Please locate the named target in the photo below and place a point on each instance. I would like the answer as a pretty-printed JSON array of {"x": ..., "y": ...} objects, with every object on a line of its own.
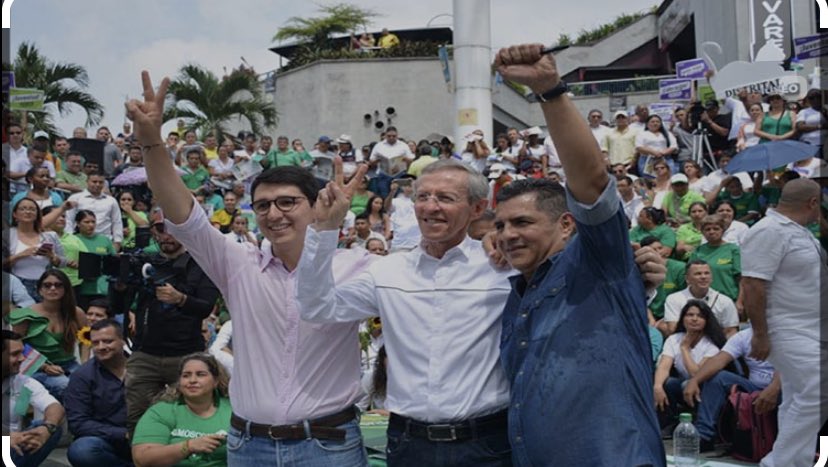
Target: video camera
[
  {"x": 131, "y": 269},
  {"x": 695, "y": 113}
]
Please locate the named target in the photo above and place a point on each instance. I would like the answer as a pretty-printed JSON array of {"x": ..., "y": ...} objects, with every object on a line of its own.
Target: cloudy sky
[{"x": 116, "y": 39}]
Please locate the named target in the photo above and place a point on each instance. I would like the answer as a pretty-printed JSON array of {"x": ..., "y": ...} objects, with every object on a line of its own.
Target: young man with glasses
[{"x": 292, "y": 381}]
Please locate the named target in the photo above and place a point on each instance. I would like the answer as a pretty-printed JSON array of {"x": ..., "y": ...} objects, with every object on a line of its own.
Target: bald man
[{"x": 784, "y": 276}]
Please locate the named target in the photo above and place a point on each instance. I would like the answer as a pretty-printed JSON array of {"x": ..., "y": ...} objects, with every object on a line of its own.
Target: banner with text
[{"x": 674, "y": 89}]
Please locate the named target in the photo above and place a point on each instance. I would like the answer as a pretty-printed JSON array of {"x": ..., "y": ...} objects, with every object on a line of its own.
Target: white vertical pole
[{"x": 472, "y": 65}]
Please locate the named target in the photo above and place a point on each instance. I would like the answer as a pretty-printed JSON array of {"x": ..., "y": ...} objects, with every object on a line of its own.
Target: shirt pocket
[{"x": 548, "y": 309}]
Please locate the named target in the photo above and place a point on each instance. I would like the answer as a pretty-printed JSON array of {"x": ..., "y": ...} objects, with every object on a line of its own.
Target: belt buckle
[
  {"x": 452, "y": 434},
  {"x": 270, "y": 432}
]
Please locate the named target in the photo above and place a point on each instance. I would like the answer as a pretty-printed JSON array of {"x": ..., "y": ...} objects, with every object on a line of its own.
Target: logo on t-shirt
[{"x": 190, "y": 434}]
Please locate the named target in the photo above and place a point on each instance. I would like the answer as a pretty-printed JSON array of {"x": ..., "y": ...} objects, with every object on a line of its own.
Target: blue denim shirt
[
  {"x": 576, "y": 350},
  {"x": 95, "y": 403}
]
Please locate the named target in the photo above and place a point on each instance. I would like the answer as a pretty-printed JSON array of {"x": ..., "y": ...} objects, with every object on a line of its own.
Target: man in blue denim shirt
[{"x": 574, "y": 344}]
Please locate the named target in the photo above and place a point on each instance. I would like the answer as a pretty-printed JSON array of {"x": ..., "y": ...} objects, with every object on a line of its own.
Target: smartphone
[{"x": 46, "y": 247}]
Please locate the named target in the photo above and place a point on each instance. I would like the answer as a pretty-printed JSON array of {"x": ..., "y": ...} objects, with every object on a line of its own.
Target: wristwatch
[
  {"x": 51, "y": 427},
  {"x": 559, "y": 89}
]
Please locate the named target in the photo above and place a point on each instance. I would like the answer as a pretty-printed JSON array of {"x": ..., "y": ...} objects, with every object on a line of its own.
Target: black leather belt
[
  {"x": 445, "y": 432},
  {"x": 320, "y": 428}
]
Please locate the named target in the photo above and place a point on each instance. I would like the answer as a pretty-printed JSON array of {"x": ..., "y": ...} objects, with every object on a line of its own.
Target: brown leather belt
[{"x": 320, "y": 428}]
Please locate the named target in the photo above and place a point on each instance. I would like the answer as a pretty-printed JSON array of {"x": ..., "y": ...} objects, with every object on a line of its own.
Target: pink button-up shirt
[{"x": 285, "y": 369}]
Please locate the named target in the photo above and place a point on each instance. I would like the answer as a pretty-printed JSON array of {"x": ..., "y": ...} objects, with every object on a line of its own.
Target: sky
[{"x": 116, "y": 39}]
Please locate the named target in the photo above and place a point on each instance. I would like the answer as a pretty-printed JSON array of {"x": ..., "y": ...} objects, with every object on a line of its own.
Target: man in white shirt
[
  {"x": 633, "y": 204},
  {"x": 106, "y": 209},
  {"x": 812, "y": 122},
  {"x": 14, "y": 149},
  {"x": 390, "y": 156},
  {"x": 32, "y": 445},
  {"x": 785, "y": 282},
  {"x": 35, "y": 157},
  {"x": 323, "y": 159},
  {"x": 699, "y": 277},
  {"x": 595, "y": 117}
]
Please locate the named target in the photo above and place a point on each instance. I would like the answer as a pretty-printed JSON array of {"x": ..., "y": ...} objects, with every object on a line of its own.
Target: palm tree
[
  {"x": 63, "y": 85},
  {"x": 207, "y": 103},
  {"x": 339, "y": 18}
]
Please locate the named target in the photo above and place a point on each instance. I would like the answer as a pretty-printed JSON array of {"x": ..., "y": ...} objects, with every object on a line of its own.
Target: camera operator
[
  {"x": 717, "y": 127},
  {"x": 169, "y": 309}
]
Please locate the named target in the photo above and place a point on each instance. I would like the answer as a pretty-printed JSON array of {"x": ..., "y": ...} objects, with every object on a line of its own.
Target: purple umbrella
[{"x": 136, "y": 176}]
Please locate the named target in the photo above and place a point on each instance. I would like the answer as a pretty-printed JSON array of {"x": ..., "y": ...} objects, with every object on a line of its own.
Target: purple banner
[
  {"x": 691, "y": 69},
  {"x": 811, "y": 46},
  {"x": 674, "y": 89}
]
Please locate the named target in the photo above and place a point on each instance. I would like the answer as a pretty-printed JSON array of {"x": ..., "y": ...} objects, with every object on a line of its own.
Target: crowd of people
[{"x": 259, "y": 292}]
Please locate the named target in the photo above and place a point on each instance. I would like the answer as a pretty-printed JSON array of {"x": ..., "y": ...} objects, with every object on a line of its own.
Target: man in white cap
[
  {"x": 676, "y": 203},
  {"x": 619, "y": 143}
]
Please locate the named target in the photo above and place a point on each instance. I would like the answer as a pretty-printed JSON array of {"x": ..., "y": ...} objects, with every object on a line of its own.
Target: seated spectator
[
  {"x": 72, "y": 178},
  {"x": 746, "y": 204},
  {"x": 95, "y": 243},
  {"x": 724, "y": 258},
  {"x": 388, "y": 39},
  {"x": 377, "y": 217},
  {"x": 698, "y": 337},
  {"x": 376, "y": 246},
  {"x": 662, "y": 183},
  {"x": 503, "y": 153},
  {"x": 194, "y": 172},
  {"x": 359, "y": 200},
  {"x": 477, "y": 152},
  {"x": 423, "y": 157},
  {"x": 633, "y": 203},
  {"x": 532, "y": 156},
  {"x": 98, "y": 310},
  {"x": 778, "y": 122},
  {"x": 812, "y": 122},
  {"x": 188, "y": 426},
  {"x": 239, "y": 231},
  {"x": 655, "y": 144},
  {"x": 133, "y": 218},
  {"x": 677, "y": 201},
  {"x": 482, "y": 225},
  {"x": 135, "y": 160},
  {"x": 717, "y": 381},
  {"x": 695, "y": 176},
  {"x": 95, "y": 402},
  {"x": 362, "y": 232},
  {"x": 712, "y": 183},
  {"x": 51, "y": 328},
  {"x": 674, "y": 280},
  {"x": 39, "y": 182},
  {"x": 32, "y": 444},
  {"x": 651, "y": 222},
  {"x": 689, "y": 235},
  {"x": 18, "y": 296},
  {"x": 747, "y": 133},
  {"x": 221, "y": 168},
  {"x": 734, "y": 230},
  {"x": 699, "y": 278},
  {"x": 30, "y": 250},
  {"x": 222, "y": 218},
  {"x": 222, "y": 347},
  {"x": 72, "y": 246}
]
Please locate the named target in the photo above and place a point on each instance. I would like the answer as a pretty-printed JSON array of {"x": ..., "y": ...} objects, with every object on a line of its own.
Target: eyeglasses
[
  {"x": 51, "y": 285},
  {"x": 283, "y": 203},
  {"x": 440, "y": 198}
]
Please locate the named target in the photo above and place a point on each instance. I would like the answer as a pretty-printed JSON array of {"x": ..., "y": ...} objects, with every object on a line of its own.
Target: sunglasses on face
[{"x": 52, "y": 285}]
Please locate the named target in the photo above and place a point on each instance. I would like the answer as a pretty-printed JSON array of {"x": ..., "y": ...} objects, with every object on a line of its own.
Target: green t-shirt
[
  {"x": 172, "y": 422},
  {"x": 129, "y": 240},
  {"x": 72, "y": 247},
  {"x": 743, "y": 205},
  {"x": 194, "y": 180},
  {"x": 725, "y": 263},
  {"x": 678, "y": 208},
  {"x": 690, "y": 235},
  {"x": 99, "y": 245},
  {"x": 38, "y": 336},
  {"x": 662, "y": 232},
  {"x": 78, "y": 180},
  {"x": 275, "y": 158},
  {"x": 770, "y": 195},
  {"x": 359, "y": 203},
  {"x": 674, "y": 281}
]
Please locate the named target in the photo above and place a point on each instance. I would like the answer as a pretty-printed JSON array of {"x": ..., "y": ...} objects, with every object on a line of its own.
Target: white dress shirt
[
  {"x": 440, "y": 320},
  {"x": 722, "y": 306},
  {"x": 107, "y": 214}
]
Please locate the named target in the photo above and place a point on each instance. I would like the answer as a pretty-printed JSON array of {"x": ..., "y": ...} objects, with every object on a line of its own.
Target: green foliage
[
  {"x": 564, "y": 39},
  {"x": 309, "y": 54},
  {"x": 207, "y": 103},
  {"x": 337, "y": 19},
  {"x": 588, "y": 36},
  {"x": 64, "y": 86}
]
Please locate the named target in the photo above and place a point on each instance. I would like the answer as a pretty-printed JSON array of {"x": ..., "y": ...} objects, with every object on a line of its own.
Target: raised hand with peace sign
[{"x": 334, "y": 200}]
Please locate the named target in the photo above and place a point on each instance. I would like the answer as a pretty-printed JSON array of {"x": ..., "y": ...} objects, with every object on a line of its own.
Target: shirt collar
[
  {"x": 461, "y": 252},
  {"x": 88, "y": 194},
  {"x": 266, "y": 256},
  {"x": 518, "y": 281}
]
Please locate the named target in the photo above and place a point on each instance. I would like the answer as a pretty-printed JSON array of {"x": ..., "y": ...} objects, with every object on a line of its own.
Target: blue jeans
[
  {"x": 244, "y": 450},
  {"x": 36, "y": 458},
  {"x": 91, "y": 451},
  {"x": 56, "y": 384},
  {"x": 714, "y": 396},
  {"x": 404, "y": 450}
]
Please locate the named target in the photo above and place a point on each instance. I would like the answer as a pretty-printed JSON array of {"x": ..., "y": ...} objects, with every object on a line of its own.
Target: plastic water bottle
[{"x": 686, "y": 442}]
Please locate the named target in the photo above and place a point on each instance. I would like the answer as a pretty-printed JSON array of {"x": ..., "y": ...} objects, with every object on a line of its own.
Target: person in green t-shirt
[
  {"x": 651, "y": 223},
  {"x": 745, "y": 203},
  {"x": 676, "y": 203},
  {"x": 188, "y": 427},
  {"x": 72, "y": 247},
  {"x": 95, "y": 243},
  {"x": 689, "y": 236},
  {"x": 133, "y": 218},
  {"x": 282, "y": 155},
  {"x": 724, "y": 258},
  {"x": 304, "y": 155},
  {"x": 195, "y": 174}
]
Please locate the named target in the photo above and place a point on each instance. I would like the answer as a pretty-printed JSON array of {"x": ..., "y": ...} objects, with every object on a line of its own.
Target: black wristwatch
[
  {"x": 559, "y": 89},
  {"x": 51, "y": 427}
]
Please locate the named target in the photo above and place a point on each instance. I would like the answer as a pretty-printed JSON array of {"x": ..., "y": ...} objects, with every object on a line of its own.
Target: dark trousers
[
  {"x": 147, "y": 375},
  {"x": 492, "y": 450}
]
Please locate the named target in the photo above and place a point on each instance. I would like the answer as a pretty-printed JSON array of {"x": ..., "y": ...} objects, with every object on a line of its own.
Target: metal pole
[{"x": 472, "y": 68}]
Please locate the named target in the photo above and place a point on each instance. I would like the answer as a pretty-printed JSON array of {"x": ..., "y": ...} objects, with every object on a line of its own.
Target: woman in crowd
[
  {"x": 504, "y": 153},
  {"x": 72, "y": 246},
  {"x": 188, "y": 426},
  {"x": 361, "y": 196},
  {"x": 689, "y": 235},
  {"x": 655, "y": 144},
  {"x": 662, "y": 184},
  {"x": 379, "y": 220},
  {"x": 695, "y": 176},
  {"x": 734, "y": 230},
  {"x": 724, "y": 258},
  {"x": 39, "y": 181},
  {"x": 778, "y": 123},
  {"x": 85, "y": 222},
  {"x": 812, "y": 121},
  {"x": 133, "y": 218},
  {"x": 239, "y": 230},
  {"x": 698, "y": 337},
  {"x": 477, "y": 152},
  {"x": 31, "y": 250},
  {"x": 747, "y": 133},
  {"x": 651, "y": 222},
  {"x": 50, "y": 327},
  {"x": 221, "y": 168}
]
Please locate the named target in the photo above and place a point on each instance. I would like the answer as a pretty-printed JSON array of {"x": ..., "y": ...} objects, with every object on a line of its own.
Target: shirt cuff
[
  {"x": 598, "y": 212},
  {"x": 192, "y": 219}
]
